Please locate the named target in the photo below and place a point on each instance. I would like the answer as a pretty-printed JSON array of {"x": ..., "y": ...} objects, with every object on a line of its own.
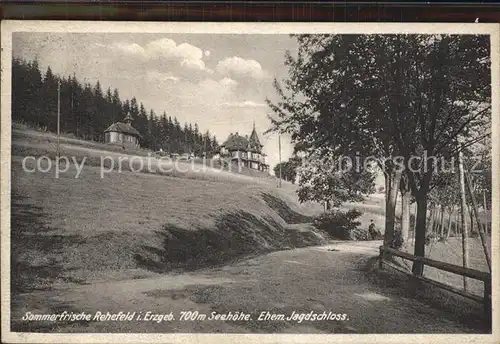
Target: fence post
[{"x": 381, "y": 257}]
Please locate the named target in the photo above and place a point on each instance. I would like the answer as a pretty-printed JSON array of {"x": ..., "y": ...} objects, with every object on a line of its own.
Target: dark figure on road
[{"x": 374, "y": 232}]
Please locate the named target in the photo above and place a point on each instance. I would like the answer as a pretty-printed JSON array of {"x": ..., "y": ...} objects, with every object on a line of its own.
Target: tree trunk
[
  {"x": 404, "y": 187},
  {"x": 421, "y": 217},
  {"x": 431, "y": 219},
  {"x": 392, "y": 182},
  {"x": 479, "y": 226},
  {"x": 485, "y": 206},
  {"x": 415, "y": 222},
  {"x": 463, "y": 222},
  {"x": 484, "y": 202},
  {"x": 441, "y": 224},
  {"x": 435, "y": 219},
  {"x": 449, "y": 224},
  {"x": 405, "y": 217},
  {"x": 471, "y": 219}
]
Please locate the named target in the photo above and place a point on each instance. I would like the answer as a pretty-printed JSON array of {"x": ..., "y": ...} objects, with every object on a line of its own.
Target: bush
[
  {"x": 340, "y": 225},
  {"x": 430, "y": 238}
]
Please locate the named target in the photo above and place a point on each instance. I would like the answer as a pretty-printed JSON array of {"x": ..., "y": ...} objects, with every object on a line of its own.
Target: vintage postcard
[{"x": 249, "y": 182}]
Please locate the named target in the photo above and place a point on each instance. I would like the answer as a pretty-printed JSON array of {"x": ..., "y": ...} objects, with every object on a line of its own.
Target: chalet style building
[
  {"x": 246, "y": 151},
  {"x": 123, "y": 133}
]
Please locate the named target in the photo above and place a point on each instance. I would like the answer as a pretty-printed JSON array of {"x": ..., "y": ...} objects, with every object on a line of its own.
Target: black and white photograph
[{"x": 276, "y": 180}]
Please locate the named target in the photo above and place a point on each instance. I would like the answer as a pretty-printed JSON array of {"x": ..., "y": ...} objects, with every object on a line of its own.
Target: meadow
[
  {"x": 131, "y": 224},
  {"x": 125, "y": 224}
]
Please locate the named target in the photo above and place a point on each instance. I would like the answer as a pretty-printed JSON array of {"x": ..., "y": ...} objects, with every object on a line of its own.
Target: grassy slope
[
  {"x": 129, "y": 225},
  {"x": 134, "y": 224}
]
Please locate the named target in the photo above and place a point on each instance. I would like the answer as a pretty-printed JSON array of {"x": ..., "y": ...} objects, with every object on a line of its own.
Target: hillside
[
  {"x": 28, "y": 142},
  {"x": 131, "y": 225},
  {"x": 88, "y": 110}
]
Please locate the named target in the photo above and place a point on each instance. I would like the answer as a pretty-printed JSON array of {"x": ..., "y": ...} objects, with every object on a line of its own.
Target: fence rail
[{"x": 456, "y": 269}]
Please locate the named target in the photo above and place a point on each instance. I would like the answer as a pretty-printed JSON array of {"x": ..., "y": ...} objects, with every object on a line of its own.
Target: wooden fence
[{"x": 485, "y": 277}]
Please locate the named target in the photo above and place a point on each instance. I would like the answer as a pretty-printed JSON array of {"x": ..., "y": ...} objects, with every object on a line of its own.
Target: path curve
[{"x": 327, "y": 278}]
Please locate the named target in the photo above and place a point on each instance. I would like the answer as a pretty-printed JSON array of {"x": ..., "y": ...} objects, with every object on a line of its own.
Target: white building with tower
[{"x": 123, "y": 133}]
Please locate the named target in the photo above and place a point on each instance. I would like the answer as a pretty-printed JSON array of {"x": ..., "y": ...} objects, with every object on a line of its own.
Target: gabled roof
[
  {"x": 236, "y": 142},
  {"x": 124, "y": 128}
]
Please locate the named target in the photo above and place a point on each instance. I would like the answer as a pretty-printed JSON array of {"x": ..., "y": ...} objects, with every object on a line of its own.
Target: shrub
[
  {"x": 430, "y": 238},
  {"x": 340, "y": 225}
]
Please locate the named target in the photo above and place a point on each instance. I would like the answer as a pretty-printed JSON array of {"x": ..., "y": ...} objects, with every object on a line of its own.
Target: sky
[{"x": 219, "y": 81}]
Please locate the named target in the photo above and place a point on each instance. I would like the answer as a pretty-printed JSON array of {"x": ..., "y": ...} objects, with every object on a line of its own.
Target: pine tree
[
  {"x": 116, "y": 110},
  {"x": 99, "y": 113},
  {"x": 152, "y": 133},
  {"x": 49, "y": 92},
  {"x": 86, "y": 111},
  {"x": 126, "y": 109},
  {"x": 141, "y": 124},
  {"x": 33, "y": 93}
]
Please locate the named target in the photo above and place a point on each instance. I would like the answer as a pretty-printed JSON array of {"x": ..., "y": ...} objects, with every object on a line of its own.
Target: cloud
[
  {"x": 244, "y": 104},
  {"x": 172, "y": 78},
  {"x": 196, "y": 65},
  {"x": 165, "y": 51},
  {"x": 224, "y": 85},
  {"x": 228, "y": 82},
  {"x": 240, "y": 67},
  {"x": 130, "y": 49},
  {"x": 166, "y": 47},
  {"x": 155, "y": 76}
]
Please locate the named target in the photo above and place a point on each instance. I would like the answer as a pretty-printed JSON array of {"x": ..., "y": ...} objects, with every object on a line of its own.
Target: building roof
[
  {"x": 123, "y": 128},
  {"x": 254, "y": 139},
  {"x": 238, "y": 142}
]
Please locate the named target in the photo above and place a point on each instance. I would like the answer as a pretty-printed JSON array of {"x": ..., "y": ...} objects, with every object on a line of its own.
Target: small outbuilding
[{"x": 123, "y": 133}]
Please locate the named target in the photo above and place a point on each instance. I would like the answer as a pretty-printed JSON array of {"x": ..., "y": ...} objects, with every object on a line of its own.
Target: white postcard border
[{"x": 10, "y": 26}]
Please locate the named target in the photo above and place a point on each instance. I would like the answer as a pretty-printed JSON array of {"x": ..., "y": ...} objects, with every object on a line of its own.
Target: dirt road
[{"x": 314, "y": 279}]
